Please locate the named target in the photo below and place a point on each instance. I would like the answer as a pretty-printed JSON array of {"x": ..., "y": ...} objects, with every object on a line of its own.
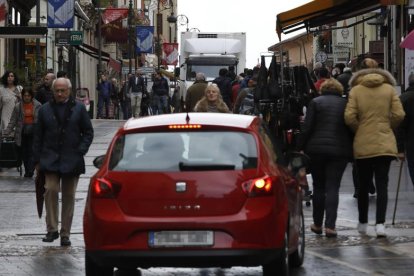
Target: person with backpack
[{"x": 244, "y": 103}]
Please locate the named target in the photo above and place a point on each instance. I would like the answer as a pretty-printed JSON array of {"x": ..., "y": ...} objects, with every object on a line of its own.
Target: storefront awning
[
  {"x": 93, "y": 52},
  {"x": 22, "y": 32},
  {"x": 320, "y": 12}
]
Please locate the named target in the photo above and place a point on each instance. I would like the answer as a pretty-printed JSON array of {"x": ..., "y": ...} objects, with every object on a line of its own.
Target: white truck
[{"x": 208, "y": 53}]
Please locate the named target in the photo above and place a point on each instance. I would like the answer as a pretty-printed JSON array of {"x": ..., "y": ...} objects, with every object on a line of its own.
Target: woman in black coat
[{"x": 328, "y": 142}]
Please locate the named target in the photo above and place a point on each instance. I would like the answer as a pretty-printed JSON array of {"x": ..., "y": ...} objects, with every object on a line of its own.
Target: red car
[{"x": 193, "y": 190}]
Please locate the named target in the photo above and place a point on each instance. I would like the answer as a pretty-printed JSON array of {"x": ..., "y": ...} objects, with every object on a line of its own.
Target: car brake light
[
  {"x": 103, "y": 188},
  {"x": 184, "y": 126},
  {"x": 262, "y": 186}
]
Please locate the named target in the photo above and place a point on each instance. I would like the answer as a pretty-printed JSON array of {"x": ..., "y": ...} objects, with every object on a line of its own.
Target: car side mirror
[{"x": 98, "y": 161}]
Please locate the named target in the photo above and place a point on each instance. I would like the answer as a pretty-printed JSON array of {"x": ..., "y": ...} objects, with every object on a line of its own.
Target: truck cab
[{"x": 208, "y": 53}]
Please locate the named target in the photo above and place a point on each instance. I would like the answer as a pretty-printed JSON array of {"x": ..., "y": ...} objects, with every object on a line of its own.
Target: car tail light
[
  {"x": 262, "y": 186},
  {"x": 103, "y": 188}
]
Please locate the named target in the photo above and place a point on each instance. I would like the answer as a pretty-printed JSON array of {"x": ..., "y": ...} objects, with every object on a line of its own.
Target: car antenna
[{"x": 187, "y": 118}]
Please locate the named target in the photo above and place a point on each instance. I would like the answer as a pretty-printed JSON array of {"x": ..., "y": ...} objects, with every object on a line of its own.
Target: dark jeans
[
  {"x": 326, "y": 174},
  {"x": 126, "y": 108},
  {"x": 101, "y": 101},
  {"x": 27, "y": 154},
  {"x": 379, "y": 168},
  {"x": 410, "y": 164}
]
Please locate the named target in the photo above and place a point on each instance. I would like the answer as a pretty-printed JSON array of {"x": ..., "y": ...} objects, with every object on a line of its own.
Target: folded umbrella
[{"x": 40, "y": 191}]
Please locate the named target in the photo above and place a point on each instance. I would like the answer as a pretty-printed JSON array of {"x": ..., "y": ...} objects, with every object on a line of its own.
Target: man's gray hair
[
  {"x": 200, "y": 77},
  {"x": 65, "y": 79}
]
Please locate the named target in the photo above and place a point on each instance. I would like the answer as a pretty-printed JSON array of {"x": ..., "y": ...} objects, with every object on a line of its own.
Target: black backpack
[{"x": 247, "y": 106}]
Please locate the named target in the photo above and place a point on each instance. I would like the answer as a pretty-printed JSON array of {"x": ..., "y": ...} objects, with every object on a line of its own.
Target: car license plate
[{"x": 180, "y": 238}]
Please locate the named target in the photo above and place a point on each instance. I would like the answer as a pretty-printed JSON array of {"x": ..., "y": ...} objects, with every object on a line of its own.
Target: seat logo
[{"x": 180, "y": 187}]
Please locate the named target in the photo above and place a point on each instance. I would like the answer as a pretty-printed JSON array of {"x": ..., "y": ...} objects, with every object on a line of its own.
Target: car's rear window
[{"x": 184, "y": 151}]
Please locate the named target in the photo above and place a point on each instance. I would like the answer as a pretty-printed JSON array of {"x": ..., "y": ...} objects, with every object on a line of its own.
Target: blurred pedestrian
[
  {"x": 126, "y": 99},
  {"x": 44, "y": 93},
  {"x": 244, "y": 103},
  {"x": 115, "y": 98},
  {"x": 61, "y": 74},
  {"x": 328, "y": 142},
  {"x": 10, "y": 95},
  {"x": 105, "y": 90},
  {"x": 406, "y": 129},
  {"x": 224, "y": 84},
  {"x": 373, "y": 111},
  {"x": 323, "y": 74},
  {"x": 160, "y": 94},
  {"x": 344, "y": 80},
  {"x": 212, "y": 101},
  {"x": 22, "y": 124},
  {"x": 62, "y": 137},
  {"x": 195, "y": 92},
  {"x": 136, "y": 88}
]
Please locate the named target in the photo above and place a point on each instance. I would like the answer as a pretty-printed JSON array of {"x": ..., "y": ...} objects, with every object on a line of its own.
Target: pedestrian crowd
[{"x": 353, "y": 117}]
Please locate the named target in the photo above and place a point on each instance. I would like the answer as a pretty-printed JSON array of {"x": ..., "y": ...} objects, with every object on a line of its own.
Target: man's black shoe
[
  {"x": 65, "y": 241},
  {"x": 51, "y": 236}
]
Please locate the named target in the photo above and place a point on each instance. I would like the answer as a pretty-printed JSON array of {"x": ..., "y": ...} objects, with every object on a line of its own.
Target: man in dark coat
[
  {"x": 136, "y": 88},
  {"x": 105, "y": 91},
  {"x": 44, "y": 93},
  {"x": 160, "y": 94},
  {"x": 224, "y": 83},
  {"x": 195, "y": 92},
  {"x": 406, "y": 129},
  {"x": 62, "y": 137}
]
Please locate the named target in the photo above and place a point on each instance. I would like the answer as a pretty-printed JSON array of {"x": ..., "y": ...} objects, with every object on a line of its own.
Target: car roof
[{"x": 199, "y": 118}]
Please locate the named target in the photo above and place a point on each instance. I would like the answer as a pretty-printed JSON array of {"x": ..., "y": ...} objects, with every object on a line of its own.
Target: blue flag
[
  {"x": 145, "y": 39},
  {"x": 60, "y": 13}
]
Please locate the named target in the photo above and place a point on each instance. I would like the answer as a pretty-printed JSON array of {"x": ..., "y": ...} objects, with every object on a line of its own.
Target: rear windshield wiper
[{"x": 190, "y": 166}]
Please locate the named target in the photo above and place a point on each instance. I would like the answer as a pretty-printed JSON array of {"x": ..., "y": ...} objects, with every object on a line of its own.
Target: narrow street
[{"x": 23, "y": 253}]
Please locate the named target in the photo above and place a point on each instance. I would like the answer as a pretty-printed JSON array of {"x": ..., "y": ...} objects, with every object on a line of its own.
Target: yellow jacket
[{"x": 373, "y": 111}]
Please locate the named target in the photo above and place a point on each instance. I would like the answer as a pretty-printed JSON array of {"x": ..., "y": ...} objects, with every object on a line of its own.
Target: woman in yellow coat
[{"x": 373, "y": 111}]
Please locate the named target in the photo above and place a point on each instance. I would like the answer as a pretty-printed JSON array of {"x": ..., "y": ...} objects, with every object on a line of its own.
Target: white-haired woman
[{"x": 212, "y": 101}]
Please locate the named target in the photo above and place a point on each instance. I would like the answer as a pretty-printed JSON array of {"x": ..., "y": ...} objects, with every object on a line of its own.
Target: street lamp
[
  {"x": 130, "y": 34},
  {"x": 172, "y": 19},
  {"x": 183, "y": 20}
]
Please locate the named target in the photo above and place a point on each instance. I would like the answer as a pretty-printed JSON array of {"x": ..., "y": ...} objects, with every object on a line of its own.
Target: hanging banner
[
  {"x": 145, "y": 39},
  {"x": 169, "y": 54},
  {"x": 3, "y": 11},
  {"x": 114, "y": 65},
  {"x": 115, "y": 32},
  {"x": 60, "y": 13},
  {"x": 113, "y": 14}
]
